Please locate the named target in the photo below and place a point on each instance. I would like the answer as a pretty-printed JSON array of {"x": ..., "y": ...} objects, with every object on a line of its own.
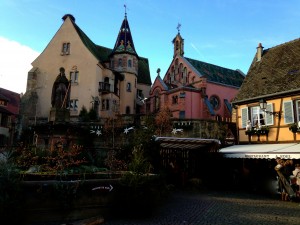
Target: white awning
[{"x": 262, "y": 151}]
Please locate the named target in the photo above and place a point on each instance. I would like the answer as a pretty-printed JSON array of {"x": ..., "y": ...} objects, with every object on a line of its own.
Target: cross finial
[
  {"x": 125, "y": 10},
  {"x": 178, "y": 27}
]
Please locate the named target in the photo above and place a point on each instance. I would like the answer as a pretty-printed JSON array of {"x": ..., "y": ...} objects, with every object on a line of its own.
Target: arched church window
[
  {"x": 188, "y": 77},
  {"x": 184, "y": 76},
  {"x": 193, "y": 79},
  {"x": 169, "y": 78},
  {"x": 172, "y": 74},
  {"x": 156, "y": 101},
  {"x": 180, "y": 70}
]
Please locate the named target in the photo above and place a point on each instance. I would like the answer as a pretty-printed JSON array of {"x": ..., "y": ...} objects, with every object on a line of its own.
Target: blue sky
[{"x": 220, "y": 32}]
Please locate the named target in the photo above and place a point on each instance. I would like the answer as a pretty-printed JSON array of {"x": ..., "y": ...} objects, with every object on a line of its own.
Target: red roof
[{"x": 13, "y": 100}]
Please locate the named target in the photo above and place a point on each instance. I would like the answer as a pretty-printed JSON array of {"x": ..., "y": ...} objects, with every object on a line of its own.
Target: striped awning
[
  {"x": 263, "y": 151},
  {"x": 185, "y": 143}
]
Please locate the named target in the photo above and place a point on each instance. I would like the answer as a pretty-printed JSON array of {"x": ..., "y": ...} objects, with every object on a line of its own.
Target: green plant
[
  {"x": 84, "y": 115},
  {"x": 258, "y": 130},
  {"x": 27, "y": 157},
  {"x": 139, "y": 164},
  {"x": 113, "y": 163},
  {"x": 263, "y": 130},
  {"x": 10, "y": 192},
  {"x": 163, "y": 121},
  {"x": 60, "y": 159},
  {"x": 294, "y": 128},
  {"x": 140, "y": 190}
]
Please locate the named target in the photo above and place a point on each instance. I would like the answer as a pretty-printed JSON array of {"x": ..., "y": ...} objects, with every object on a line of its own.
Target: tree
[
  {"x": 83, "y": 115},
  {"x": 163, "y": 121},
  {"x": 93, "y": 114}
]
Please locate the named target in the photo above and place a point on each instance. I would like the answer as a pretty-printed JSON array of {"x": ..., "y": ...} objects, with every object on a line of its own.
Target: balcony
[{"x": 104, "y": 87}]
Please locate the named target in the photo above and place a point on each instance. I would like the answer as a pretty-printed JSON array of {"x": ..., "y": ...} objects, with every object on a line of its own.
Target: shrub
[{"x": 10, "y": 193}]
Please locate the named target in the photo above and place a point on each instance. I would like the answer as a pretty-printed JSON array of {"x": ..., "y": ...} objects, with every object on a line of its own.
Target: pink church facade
[{"x": 193, "y": 89}]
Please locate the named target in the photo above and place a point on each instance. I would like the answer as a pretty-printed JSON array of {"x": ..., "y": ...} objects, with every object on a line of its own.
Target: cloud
[{"x": 15, "y": 62}]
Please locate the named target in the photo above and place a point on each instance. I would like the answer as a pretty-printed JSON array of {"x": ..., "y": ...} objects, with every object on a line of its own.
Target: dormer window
[{"x": 65, "y": 48}]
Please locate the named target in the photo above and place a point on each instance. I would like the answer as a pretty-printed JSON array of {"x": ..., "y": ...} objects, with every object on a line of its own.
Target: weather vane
[{"x": 178, "y": 27}]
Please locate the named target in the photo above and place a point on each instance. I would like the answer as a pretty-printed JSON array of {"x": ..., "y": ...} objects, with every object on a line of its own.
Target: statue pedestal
[{"x": 59, "y": 115}]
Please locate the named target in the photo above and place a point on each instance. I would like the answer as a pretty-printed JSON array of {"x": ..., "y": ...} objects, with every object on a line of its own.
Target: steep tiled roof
[
  {"x": 13, "y": 99},
  {"x": 102, "y": 54},
  {"x": 5, "y": 111},
  {"x": 124, "y": 42},
  {"x": 88, "y": 43},
  {"x": 2, "y": 97},
  {"x": 277, "y": 72},
  {"x": 217, "y": 74},
  {"x": 144, "y": 72}
]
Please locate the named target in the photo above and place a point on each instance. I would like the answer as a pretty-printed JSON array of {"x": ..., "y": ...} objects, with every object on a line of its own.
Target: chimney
[
  {"x": 259, "y": 52},
  {"x": 68, "y": 15}
]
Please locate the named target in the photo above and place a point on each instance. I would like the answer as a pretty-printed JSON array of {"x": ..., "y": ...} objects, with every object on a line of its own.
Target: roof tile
[{"x": 276, "y": 72}]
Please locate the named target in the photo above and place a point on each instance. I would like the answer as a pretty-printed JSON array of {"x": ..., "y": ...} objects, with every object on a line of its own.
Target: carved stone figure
[{"x": 60, "y": 91}]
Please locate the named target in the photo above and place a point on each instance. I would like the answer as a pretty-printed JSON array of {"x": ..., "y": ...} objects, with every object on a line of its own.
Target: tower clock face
[{"x": 215, "y": 102}]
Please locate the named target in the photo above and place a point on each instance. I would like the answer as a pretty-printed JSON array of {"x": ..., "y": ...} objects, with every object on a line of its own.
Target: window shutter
[
  {"x": 269, "y": 118},
  {"x": 244, "y": 117},
  {"x": 288, "y": 112}
]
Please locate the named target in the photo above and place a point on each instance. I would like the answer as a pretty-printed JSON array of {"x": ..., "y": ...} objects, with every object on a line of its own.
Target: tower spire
[
  {"x": 178, "y": 42},
  {"x": 124, "y": 42}
]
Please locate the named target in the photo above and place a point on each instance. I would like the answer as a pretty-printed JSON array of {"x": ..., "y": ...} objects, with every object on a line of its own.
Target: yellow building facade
[
  {"x": 267, "y": 106},
  {"x": 109, "y": 80}
]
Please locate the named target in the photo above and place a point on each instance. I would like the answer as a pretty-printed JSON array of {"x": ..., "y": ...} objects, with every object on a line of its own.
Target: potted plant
[
  {"x": 264, "y": 130},
  {"x": 294, "y": 128},
  {"x": 250, "y": 132}
]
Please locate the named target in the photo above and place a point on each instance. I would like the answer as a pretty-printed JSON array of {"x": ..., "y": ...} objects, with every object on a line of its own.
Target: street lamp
[{"x": 263, "y": 106}]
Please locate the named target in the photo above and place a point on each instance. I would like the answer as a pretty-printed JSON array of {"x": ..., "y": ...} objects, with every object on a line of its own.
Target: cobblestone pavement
[{"x": 220, "y": 208}]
